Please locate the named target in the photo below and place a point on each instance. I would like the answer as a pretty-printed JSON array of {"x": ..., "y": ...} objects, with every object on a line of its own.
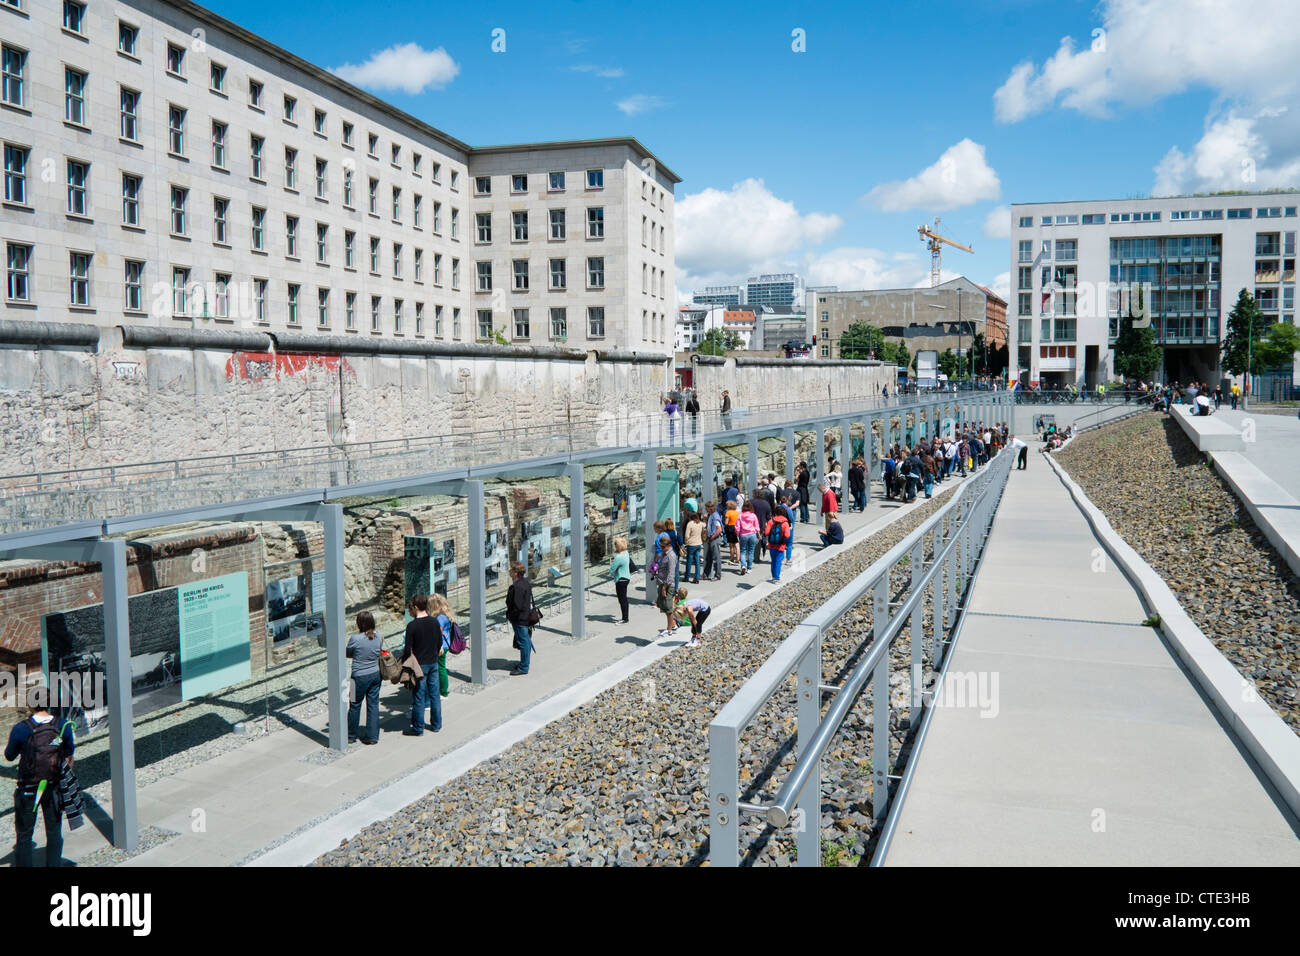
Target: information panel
[{"x": 214, "y": 634}]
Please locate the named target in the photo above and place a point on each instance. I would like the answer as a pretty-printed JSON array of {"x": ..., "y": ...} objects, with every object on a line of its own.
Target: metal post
[
  {"x": 709, "y": 487},
  {"x": 808, "y": 837},
  {"x": 918, "y": 626},
  {"x": 336, "y": 634},
  {"x": 846, "y": 443},
  {"x": 871, "y": 452},
  {"x": 752, "y": 465},
  {"x": 121, "y": 732},
  {"x": 651, "y": 460},
  {"x": 819, "y": 453},
  {"x": 789, "y": 454},
  {"x": 577, "y": 552},
  {"x": 880, "y": 706},
  {"x": 724, "y": 795},
  {"x": 477, "y": 586}
]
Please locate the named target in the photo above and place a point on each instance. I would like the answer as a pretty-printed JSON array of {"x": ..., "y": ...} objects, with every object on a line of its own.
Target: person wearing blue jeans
[
  {"x": 424, "y": 640},
  {"x": 364, "y": 647},
  {"x": 519, "y": 605}
]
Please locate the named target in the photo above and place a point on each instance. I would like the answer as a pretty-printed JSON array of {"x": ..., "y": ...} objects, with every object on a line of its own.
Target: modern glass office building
[{"x": 1076, "y": 267}]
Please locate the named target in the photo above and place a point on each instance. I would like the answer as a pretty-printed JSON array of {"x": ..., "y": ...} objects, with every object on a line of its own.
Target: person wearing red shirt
[{"x": 830, "y": 504}]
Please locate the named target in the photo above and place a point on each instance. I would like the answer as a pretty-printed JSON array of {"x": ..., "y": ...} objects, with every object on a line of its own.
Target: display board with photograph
[
  {"x": 295, "y": 609},
  {"x": 185, "y": 642}
]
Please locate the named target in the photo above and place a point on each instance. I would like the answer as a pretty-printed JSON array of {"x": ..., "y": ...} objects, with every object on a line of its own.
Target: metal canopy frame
[{"x": 103, "y": 542}]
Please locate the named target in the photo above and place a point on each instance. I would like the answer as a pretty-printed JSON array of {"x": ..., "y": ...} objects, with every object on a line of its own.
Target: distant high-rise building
[
  {"x": 728, "y": 295},
  {"x": 782, "y": 289}
]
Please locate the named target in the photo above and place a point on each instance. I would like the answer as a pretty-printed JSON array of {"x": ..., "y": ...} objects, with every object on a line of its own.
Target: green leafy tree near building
[
  {"x": 948, "y": 363},
  {"x": 862, "y": 340},
  {"x": 1280, "y": 345},
  {"x": 1137, "y": 355},
  {"x": 1245, "y": 332},
  {"x": 719, "y": 342}
]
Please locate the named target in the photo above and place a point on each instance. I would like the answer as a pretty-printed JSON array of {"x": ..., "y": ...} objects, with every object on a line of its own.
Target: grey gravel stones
[
  {"x": 623, "y": 780},
  {"x": 1158, "y": 493}
]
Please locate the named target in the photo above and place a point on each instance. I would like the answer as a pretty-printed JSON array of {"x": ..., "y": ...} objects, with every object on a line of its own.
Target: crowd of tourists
[{"x": 910, "y": 471}]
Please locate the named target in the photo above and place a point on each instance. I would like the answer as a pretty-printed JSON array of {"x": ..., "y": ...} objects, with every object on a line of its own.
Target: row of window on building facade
[{"x": 1099, "y": 218}]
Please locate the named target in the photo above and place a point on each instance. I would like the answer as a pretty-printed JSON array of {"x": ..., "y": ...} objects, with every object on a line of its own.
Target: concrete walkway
[
  {"x": 286, "y": 790},
  {"x": 1273, "y": 445},
  {"x": 1097, "y": 749}
]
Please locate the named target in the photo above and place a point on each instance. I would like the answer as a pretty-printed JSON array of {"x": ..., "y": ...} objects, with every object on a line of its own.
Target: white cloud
[
  {"x": 1146, "y": 50},
  {"x": 407, "y": 67},
  {"x": 725, "y": 235},
  {"x": 960, "y": 176},
  {"x": 1001, "y": 285},
  {"x": 640, "y": 103},
  {"x": 849, "y": 268},
  {"x": 997, "y": 224},
  {"x": 608, "y": 72},
  {"x": 1236, "y": 151}
]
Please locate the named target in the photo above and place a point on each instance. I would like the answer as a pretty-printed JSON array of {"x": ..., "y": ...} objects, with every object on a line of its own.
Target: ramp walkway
[{"x": 1095, "y": 748}]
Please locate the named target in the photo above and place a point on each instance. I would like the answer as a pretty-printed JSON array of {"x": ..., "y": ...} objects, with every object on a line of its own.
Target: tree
[
  {"x": 720, "y": 342},
  {"x": 898, "y": 355},
  {"x": 861, "y": 340},
  {"x": 978, "y": 357},
  {"x": 1245, "y": 331},
  {"x": 1137, "y": 355},
  {"x": 998, "y": 360},
  {"x": 1279, "y": 346},
  {"x": 948, "y": 363}
]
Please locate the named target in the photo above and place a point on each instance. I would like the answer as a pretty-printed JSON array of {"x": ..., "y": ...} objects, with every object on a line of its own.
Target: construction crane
[{"x": 936, "y": 242}]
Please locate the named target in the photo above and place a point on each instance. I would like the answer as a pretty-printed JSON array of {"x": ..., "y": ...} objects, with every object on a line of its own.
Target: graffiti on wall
[{"x": 256, "y": 366}]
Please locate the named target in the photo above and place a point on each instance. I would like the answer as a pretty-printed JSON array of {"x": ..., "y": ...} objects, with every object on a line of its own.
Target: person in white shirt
[{"x": 1022, "y": 460}]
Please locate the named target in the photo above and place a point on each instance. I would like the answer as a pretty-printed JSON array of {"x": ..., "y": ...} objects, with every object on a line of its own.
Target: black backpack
[{"x": 42, "y": 756}]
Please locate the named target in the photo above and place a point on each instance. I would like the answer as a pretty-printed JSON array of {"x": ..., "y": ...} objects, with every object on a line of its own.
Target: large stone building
[
  {"x": 946, "y": 317},
  {"x": 1074, "y": 266},
  {"x": 165, "y": 167}
]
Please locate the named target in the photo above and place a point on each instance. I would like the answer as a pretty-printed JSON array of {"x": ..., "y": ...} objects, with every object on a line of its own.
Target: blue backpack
[{"x": 776, "y": 536}]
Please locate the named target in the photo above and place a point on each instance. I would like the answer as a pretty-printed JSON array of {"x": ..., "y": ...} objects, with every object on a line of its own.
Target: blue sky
[{"x": 817, "y": 160}]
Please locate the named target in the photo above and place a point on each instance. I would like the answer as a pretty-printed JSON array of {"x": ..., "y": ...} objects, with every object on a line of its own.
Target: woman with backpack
[
  {"x": 777, "y": 534},
  {"x": 41, "y": 746},
  {"x": 441, "y": 608},
  {"x": 364, "y": 647},
  {"x": 519, "y": 606}
]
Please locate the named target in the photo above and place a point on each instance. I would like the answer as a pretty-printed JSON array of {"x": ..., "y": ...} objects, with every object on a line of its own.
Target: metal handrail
[{"x": 972, "y": 508}]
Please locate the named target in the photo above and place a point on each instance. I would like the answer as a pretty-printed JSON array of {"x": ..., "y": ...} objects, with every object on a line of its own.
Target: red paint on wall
[{"x": 255, "y": 366}]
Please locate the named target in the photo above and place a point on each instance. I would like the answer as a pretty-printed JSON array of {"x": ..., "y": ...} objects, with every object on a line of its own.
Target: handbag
[
  {"x": 389, "y": 667},
  {"x": 534, "y": 615}
]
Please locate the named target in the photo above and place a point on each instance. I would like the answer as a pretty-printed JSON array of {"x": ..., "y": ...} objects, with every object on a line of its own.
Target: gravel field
[
  {"x": 1172, "y": 507},
  {"x": 623, "y": 779}
]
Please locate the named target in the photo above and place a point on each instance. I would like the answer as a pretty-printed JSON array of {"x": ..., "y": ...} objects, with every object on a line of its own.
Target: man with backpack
[
  {"x": 519, "y": 608},
  {"x": 776, "y": 532},
  {"x": 41, "y": 746}
]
